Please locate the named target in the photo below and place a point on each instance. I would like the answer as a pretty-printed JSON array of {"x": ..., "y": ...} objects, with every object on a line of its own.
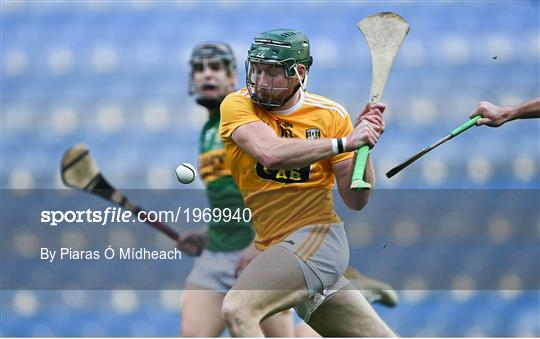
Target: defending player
[{"x": 284, "y": 148}]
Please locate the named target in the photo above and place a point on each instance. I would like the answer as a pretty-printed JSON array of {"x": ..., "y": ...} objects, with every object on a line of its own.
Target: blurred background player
[
  {"x": 213, "y": 76},
  {"x": 284, "y": 148},
  {"x": 227, "y": 246},
  {"x": 495, "y": 116}
]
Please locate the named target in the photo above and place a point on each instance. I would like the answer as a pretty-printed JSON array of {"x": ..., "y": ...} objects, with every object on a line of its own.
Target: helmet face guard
[
  {"x": 215, "y": 56},
  {"x": 273, "y": 91},
  {"x": 201, "y": 65},
  {"x": 276, "y": 54}
]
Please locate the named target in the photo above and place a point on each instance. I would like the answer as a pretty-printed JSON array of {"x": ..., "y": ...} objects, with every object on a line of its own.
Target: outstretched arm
[{"x": 495, "y": 116}]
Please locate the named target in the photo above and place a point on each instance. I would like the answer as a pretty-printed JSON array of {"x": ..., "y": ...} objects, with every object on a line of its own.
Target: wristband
[{"x": 338, "y": 145}]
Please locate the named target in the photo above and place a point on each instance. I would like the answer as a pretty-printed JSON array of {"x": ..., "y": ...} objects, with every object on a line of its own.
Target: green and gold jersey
[{"x": 222, "y": 192}]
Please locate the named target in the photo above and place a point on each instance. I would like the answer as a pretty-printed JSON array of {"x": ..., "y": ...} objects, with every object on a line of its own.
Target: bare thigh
[
  {"x": 348, "y": 314},
  {"x": 198, "y": 321},
  {"x": 271, "y": 283}
]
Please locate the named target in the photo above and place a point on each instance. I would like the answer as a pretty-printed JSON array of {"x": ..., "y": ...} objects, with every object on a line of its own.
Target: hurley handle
[
  {"x": 357, "y": 181},
  {"x": 465, "y": 126}
]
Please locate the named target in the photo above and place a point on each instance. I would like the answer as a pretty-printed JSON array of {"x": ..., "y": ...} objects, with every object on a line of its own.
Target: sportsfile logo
[{"x": 110, "y": 214}]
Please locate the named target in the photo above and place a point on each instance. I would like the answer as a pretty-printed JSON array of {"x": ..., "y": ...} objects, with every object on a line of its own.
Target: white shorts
[
  {"x": 322, "y": 252},
  {"x": 215, "y": 270}
]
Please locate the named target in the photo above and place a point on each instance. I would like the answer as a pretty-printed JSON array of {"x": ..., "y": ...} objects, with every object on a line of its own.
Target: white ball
[{"x": 185, "y": 173}]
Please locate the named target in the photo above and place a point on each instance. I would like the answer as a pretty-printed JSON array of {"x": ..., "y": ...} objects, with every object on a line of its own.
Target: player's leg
[
  {"x": 279, "y": 325},
  {"x": 303, "y": 330},
  {"x": 200, "y": 321},
  {"x": 374, "y": 290},
  {"x": 272, "y": 282},
  {"x": 348, "y": 314},
  {"x": 213, "y": 274},
  {"x": 338, "y": 309}
]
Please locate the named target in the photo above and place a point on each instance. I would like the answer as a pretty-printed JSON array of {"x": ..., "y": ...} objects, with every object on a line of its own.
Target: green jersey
[{"x": 222, "y": 192}]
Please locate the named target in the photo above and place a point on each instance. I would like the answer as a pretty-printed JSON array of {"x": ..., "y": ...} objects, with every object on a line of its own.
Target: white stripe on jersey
[
  {"x": 332, "y": 108},
  {"x": 327, "y": 101},
  {"x": 243, "y": 92}
]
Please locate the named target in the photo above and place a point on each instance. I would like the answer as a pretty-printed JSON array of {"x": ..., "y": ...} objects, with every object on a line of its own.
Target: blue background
[{"x": 114, "y": 75}]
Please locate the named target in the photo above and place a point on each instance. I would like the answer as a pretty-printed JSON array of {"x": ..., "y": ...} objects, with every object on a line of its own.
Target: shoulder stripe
[
  {"x": 326, "y": 101},
  {"x": 342, "y": 113},
  {"x": 242, "y": 92}
]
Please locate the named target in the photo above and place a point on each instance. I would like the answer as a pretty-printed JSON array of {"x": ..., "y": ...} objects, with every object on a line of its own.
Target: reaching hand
[
  {"x": 492, "y": 115},
  {"x": 192, "y": 242}
]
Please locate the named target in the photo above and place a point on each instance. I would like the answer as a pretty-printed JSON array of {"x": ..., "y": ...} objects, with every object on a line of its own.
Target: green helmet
[
  {"x": 287, "y": 46},
  {"x": 280, "y": 48}
]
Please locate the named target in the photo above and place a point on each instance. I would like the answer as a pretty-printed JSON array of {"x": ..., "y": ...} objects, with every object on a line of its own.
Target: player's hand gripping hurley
[{"x": 384, "y": 33}]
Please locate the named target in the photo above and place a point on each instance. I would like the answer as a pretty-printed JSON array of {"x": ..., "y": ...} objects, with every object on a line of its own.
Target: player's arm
[
  {"x": 271, "y": 151},
  {"x": 343, "y": 170},
  {"x": 495, "y": 116},
  {"x": 240, "y": 123}
]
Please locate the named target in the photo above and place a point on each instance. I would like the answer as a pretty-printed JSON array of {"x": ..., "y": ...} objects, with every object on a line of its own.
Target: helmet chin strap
[
  {"x": 296, "y": 88},
  {"x": 303, "y": 84},
  {"x": 273, "y": 107}
]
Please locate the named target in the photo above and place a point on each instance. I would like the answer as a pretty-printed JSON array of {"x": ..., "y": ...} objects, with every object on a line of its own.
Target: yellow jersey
[{"x": 284, "y": 200}]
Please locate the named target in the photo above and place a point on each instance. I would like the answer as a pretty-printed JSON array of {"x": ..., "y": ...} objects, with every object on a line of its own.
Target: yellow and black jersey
[{"x": 283, "y": 200}]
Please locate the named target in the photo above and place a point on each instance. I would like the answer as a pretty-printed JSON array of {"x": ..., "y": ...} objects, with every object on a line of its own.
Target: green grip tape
[
  {"x": 466, "y": 126},
  {"x": 360, "y": 167}
]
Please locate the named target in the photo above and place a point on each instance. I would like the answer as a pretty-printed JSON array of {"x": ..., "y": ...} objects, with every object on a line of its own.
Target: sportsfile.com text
[{"x": 119, "y": 215}]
